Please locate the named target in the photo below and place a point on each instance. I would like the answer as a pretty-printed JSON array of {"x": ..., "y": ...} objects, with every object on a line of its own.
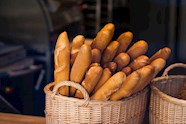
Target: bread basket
[
  {"x": 68, "y": 110},
  {"x": 165, "y": 108}
]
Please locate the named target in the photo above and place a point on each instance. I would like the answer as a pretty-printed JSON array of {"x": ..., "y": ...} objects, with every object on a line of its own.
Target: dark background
[{"x": 29, "y": 29}]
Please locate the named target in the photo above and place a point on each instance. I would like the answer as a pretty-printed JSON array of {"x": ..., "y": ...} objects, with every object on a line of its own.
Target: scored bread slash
[
  {"x": 162, "y": 53},
  {"x": 124, "y": 39},
  {"x": 77, "y": 42},
  {"x": 127, "y": 86},
  {"x": 110, "y": 52},
  {"x": 139, "y": 62},
  {"x": 109, "y": 87},
  {"x": 62, "y": 62},
  {"x": 80, "y": 66},
  {"x": 137, "y": 49},
  {"x": 103, "y": 37},
  {"x": 104, "y": 77},
  {"x": 91, "y": 79},
  {"x": 122, "y": 60}
]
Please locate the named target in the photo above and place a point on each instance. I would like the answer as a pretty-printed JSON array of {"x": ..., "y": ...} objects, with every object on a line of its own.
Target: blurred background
[{"x": 29, "y": 29}]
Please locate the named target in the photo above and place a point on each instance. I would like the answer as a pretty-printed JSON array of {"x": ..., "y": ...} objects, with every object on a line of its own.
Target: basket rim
[
  {"x": 73, "y": 99},
  {"x": 165, "y": 96}
]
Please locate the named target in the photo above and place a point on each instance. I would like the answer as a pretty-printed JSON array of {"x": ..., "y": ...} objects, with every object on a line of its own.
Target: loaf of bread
[
  {"x": 137, "y": 49},
  {"x": 77, "y": 42},
  {"x": 103, "y": 38},
  {"x": 62, "y": 61},
  {"x": 112, "y": 66},
  {"x": 80, "y": 66},
  {"x": 110, "y": 52},
  {"x": 127, "y": 86},
  {"x": 121, "y": 60},
  {"x": 124, "y": 40},
  {"x": 104, "y": 77},
  {"x": 96, "y": 56},
  {"x": 163, "y": 53},
  {"x": 111, "y": 86},
  {"x": 139, "y": 62},
  {"x": 91, "y": 79}
]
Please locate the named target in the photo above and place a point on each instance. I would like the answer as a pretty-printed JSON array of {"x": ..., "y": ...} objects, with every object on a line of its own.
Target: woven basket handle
[
  {"x": 165, "y": 73},
  {"x": 72, "y": 84}
]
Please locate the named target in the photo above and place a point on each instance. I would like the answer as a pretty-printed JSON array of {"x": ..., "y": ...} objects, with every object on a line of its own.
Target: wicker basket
[
  {"x": 165, "y": 108},
  {"x": 61, "y": 110}
]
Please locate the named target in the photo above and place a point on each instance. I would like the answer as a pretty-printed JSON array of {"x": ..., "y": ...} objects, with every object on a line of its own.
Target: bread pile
[{"x": 108, "y": 70}]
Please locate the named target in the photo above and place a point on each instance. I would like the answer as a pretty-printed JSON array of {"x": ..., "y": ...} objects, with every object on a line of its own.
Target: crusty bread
[
  {"x": 96, "y": 56},
  {"x": 137, "y": 49},
  {"x": 110, "y": 52},
  {"x": 104, "y": 36},
  {"x": 104, "y": 77},
  {"x": 127, "y": 70},
  {"x": 112, "y": 66},
  {"x": 110, "y": 87},
  {"x": 62, "y": 61},
  {"x": 122, "y": 60},
  {"x": 124, "y": 39},
  {"x": 139, "y": 62},
  {"x": 80, "y": 66},
  {"x": 91, "y": 79},
  {"x": 77, "y": 42},
  {"x": 162, "y": 53},
  {"x": 127, "y": 87}
]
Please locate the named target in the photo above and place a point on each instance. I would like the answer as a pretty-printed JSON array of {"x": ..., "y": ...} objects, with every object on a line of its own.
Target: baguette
[
  {"x": 96, "y": 56},
  {"x": 110, "y": 52},
  {"x": 80, "y": 66},
  {"x": 145, "y": 73},
  {"x": 124, "y": 39},
  {"x": 110, "y": 86},
  {"x": 62, "y": 62},
  {"x": 104, "y": 77},
  {"x": 139, "y": 62},
  {"x": 91, "y": 79},
  {"x": 127, "y": 87},
  {"x": 158, "y": 64},
  {"x": 111, "y": 65},
  {"x": 162, "y": 53},
  {"x": 127, "y": 70},
  {"x": 122, "y": 60},
  {"x": 137, "y": 49},
  {"x": 77, "y": 42},
  {"x": 103, "y": 37}
]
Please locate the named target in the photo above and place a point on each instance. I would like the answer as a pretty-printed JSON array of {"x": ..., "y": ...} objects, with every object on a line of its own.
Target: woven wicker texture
[
  {"x": 67, "y": 110},
  {"x": 165, "y": 108}
]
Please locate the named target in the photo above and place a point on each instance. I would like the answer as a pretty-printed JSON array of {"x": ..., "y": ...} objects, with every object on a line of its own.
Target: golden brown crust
[
  {"x": 124, "y": 39},
  {"x": 137, "y": 49},
  {"x": 96, "y": 56},
  {"x": 110, "y": 52},
  {"x": 112, "y": 66},
  {"x": 77, "y": 42},
  {"x": 62, "y": 61},
  {"x": 163, "y": 53},
  {"x": 111, "y": 86},
  {"x": 91, "y": 79},
  {"x": 103, "y": 37},
  {"x": 104, "y": 77},
  {"x": 122, "y": 60},
  {"x": 127, "y": 70},
  {"x": 127, "y": 87},
  {"x": 80, "y": 66},
  {"x": 139, "y": 62}
]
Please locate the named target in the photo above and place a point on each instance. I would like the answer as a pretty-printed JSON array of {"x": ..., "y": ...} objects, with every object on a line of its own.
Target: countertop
[{"x": 9, "y": 118}]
